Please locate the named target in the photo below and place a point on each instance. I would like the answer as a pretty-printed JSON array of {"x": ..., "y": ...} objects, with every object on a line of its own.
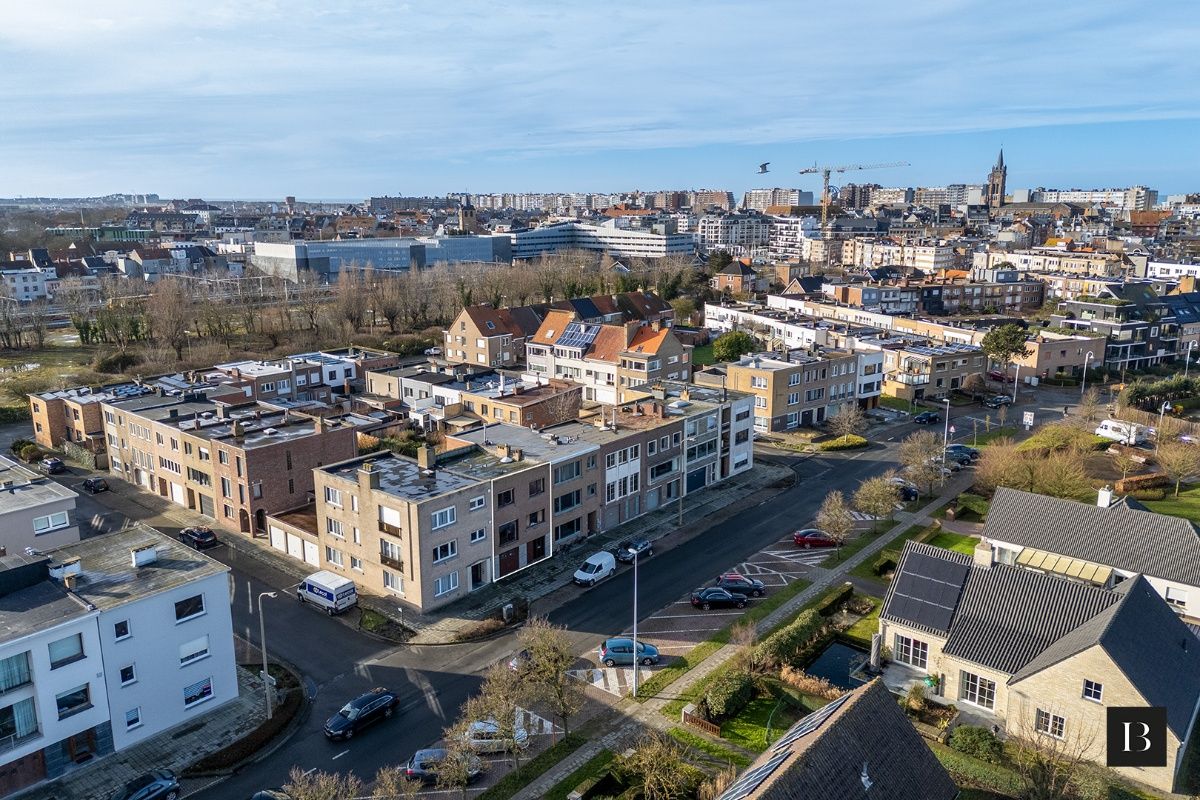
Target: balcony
[
  {"x": 388, "y": 561},
  {"x": 909, "y": 378},
  {"x": 390, "y": 530}
]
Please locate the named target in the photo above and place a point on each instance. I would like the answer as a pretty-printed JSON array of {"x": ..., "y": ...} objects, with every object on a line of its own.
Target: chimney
[
  {"x": 69, "y": 581},
  {"x": 426, "y": 457},
  {"x": 983, "y": 553},
  {"x": 1104, "y": 498},
  {"x": 144, "y": 555},
  {"x": 69, "y": 568},
  {"x": 368, "y": 471},
  {"x": 656, "y": 325},
  {"x": 517, "y": 454}
]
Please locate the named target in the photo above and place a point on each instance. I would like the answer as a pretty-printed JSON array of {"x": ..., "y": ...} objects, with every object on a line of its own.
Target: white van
[
  {"x": 597, "y": 567},
  {"x": 331, "y": 592},
  {"x": 1123, "y": 432}
]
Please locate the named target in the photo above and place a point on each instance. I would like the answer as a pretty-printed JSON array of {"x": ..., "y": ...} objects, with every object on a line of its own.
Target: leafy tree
[
  {"x": 848, "y": 421},
  {"x": 834, "y": 518},
  {"x": 921, "y": 455},
  {"x": 455, "y": 770},
  {"x": 733, "y": 345},
  {"x": 684, "y": 308},
  {"x": 974, "y": 384},
  {"x": 878, "y": 497},
  {"x": 1005, "y": 343},
  {"x": 499, "y": 701},
  {"x": 718, "y": 260},
  {"x": 1179, "y": 461},
  {"x": 1000, "y": 464},
  {"x": 392, "y": 784},
  {"x": 550, "y": 656}
]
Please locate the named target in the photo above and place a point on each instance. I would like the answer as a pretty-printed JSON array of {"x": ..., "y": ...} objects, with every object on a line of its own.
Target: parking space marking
[{"x": 706, "y": 613}]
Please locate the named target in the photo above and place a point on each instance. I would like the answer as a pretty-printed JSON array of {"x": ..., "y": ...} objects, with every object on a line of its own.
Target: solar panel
[
  {"x": 578, "y": 335},
  {"x": 744, "y": 786},
  {"x": 807, "y": 725},
  {"x": 926, "y": 590}
]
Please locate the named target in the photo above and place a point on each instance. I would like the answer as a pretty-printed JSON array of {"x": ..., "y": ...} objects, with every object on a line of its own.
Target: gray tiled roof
[{"x": 1121, "y": 536}]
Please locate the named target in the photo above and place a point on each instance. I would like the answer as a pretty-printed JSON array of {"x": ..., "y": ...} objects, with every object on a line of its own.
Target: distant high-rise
[
  {"x": 854, "y": 196},
  {"x": 705, "y": 198},
  {"x": 762, "y": 199},
  {"x": 993, "y": 196}
]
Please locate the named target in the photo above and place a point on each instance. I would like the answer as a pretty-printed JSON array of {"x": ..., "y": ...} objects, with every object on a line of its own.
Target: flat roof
[
  {"x": 551, "y": 444},
  {"x": 29, "y": 489},
  {"x": 404, "y": 478},
  {"x": 37, "y": 608}
]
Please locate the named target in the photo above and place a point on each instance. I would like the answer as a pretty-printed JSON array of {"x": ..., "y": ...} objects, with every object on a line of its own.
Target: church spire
[{"x": 1000, "y": 160}]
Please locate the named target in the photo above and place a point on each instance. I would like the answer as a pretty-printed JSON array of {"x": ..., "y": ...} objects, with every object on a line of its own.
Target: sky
[{"x": 343, "y": 100}]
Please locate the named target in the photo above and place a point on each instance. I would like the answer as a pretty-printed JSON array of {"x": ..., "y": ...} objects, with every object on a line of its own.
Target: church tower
[
  {"x": 466, "y": 216},
  {"x": 997, "y": 178}
]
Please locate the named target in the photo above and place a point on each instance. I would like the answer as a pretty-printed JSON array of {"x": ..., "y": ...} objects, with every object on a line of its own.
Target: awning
[{"x": 1097, "y": 574}]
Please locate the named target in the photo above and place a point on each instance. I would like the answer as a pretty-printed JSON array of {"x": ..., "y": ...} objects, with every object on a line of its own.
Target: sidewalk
[
  {"x": 649, "y": 713},
  {"x": 175, "y": 749}
]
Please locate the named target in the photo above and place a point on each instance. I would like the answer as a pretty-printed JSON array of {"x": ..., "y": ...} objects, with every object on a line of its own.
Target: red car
[
  {"x": 997, "y": 375},
  {"x": 811, "y": 537}
]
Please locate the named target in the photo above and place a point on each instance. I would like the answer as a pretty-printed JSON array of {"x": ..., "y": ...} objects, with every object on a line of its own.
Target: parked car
[
  {"x": 948, "y": 464},
  {"x": 271, "y": 794},
  {"x": 94, "y": 485},
  {"x": 962, "y": 448},
  {"x": 157, "y": 785},
  {"x": 997, "y": 375},
  {"x": 633, "y": 548},
  {"x": 424, "y": 765},
  {"x": 619, "y": 650},
  {"x": 596, "y": 568},
  {"x": 908, "y": 493},
  {"x": 811, "y": 537},
  {"x": 377, "y": 704},
  {"x": 52, "y": 466},
  {"x": 716, "y": 597},
  {"x": 927, "y": 418},
  {"x": 959, "y": 458},
  {"x": 520, "y": 660},
  {"x": 198, "y": 538},
  {"x": 433, "y": 351},
  {"x": 998, "y": 400},
  {"x": 485, "y": 736},
  {"x": 736, "y": 582}
]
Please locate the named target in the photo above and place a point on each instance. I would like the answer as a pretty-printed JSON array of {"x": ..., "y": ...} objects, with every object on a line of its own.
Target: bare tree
[
  {"x": 550, "y": 656},
  {"x": 1178, "y": 461},
  {"x": 1089, "y": 406},
  {"x": 170, "y": 310},
  {"x": 461, "y": 765},
  {"x": 744, "y": 636},
  {"x": 848, "y": 421},
  {"x": 835, "y": 519},
  {"x": 352, "y": 296},
  {"x": 1123, "y": 461},
  {"x": 657, "y": 760},
  {"x": 921, "y": 454},
  {"x": 1050, "y": 750},
  {"x": 1000, "y": 464},
  {"x": 878, "y": 497},
  {"x": 37, "y": 319},
  {"x": 392, "y": 784},
  {"x": 389, "y": 298},
  {"x": 1002, "y": 415},
  {"x": 499, "y": 702},
  {"x": 318, "y": 785},
  {"x": 1059, "y": 474},
  {"x": 310, "y": 298}
]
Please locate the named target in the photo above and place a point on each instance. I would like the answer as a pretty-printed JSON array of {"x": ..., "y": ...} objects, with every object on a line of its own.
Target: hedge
[
  {"x": 784, "y": 644},
  {"x": 1137, "y": 482},
  {"x": 1148, "y": 494},
  {"x": 851, "y": 442},
  {"x": 728, "y": 695},
  {"x": 11, "y": 414},
  {"x": 965, "y": 769},
  {"x": 886, "y": 562},
  {"x": 249, "y": 745},
  {"x": 977, "y": 742},
  {"x": 828, "y": 605}
]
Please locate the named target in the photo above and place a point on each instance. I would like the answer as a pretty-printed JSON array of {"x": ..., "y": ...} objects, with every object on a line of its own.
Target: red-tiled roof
[{"x": 553, "y": 325}]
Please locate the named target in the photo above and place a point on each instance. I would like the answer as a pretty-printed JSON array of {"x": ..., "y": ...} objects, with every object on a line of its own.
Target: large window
[
  {"x": 566, "y": 502},
  {"x": 445, "y": 551},
  {"x": 393, "y": 581},
  {"x": 198, "y": 692},
  {"x": 194, "y": 650},
  {"x": 445, "y": 584},
  {"x": 977, "y": 690},
  {"x": 441, "y": 519},
  {"x": 18, "y": 722},
  {"x": 507, "y": 532},
  {"x": 913, "y": 652},
  {"x": 568, "y": 472},
  {"x": 333, "y": 496},
  {"x": 74, "y": 701},
  {"x": 14, "y": 672},
  {"x": 188, "y": 608},
  {"x": 334, "y": 556},
  {"x": 66, "y": 650},
  {"x": 1049, "y": 724},
  {"x": 50, "y": 522}
]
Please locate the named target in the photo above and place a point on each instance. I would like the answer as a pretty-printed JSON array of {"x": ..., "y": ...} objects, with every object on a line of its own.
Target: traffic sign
[
  {"x": 1028, "y": 420},
  {"x": 953, "y": 429}
]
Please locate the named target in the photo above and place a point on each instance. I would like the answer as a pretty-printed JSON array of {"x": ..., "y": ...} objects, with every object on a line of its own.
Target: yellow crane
[{"x": 826, "y": 171}]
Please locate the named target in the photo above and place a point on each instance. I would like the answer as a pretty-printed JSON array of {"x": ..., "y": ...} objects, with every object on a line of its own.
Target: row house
[
  {"x": 921, "y": 370},
  {"x": 1105, "y": 265},
  {"x": 887, "y": 299},
  {"x": 922, "y": 255},
  {"x": 978, "y": 297},
  {"x": 776, "y": 328}
]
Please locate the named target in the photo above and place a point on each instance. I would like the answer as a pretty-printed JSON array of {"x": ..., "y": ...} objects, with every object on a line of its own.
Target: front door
[
  {"x": 535, "y": 550},
  {"x": 510, "y": 561},
  {"x": 478, "y": 574}
]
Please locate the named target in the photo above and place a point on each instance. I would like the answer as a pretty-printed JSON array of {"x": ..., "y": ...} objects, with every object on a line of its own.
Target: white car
[
  {"x": 433, "y": 351},
  {"x": 596, "y": 568},
  {"x": 485, "y": 737}
]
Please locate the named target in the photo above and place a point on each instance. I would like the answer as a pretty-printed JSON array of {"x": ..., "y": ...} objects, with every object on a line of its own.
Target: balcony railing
[
  {"x": 909, "y": 378},
  {"x": 388, "y": 561},
  {"x": 390, "y": 530}
]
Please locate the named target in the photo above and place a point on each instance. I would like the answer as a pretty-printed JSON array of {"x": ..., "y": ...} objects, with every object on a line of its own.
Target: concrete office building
[
  {"x": 659, "y": 242},
  {"x": 326, "y": 259}
]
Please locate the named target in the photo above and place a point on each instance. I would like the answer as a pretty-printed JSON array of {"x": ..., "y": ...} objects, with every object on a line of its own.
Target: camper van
[
  {"x": 331, "y": 592},
  {"x": 1123, "y": 432}
]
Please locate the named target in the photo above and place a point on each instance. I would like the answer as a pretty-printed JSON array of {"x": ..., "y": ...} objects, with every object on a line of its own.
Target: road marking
[
  {"x": 310, "y": 771},
  {"x": 707, "y": 614},
  {"x": 339, "y": 755}
]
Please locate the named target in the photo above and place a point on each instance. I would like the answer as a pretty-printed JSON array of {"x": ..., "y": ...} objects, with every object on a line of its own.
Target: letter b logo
[{"x": 1137, "y": 737}]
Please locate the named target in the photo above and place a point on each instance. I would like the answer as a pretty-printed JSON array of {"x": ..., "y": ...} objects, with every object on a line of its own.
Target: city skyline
[{"x": 253, "y": 101}]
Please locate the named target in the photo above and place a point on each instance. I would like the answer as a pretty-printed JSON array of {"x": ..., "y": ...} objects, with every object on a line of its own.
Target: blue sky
[{"x": 263, "y": 98}]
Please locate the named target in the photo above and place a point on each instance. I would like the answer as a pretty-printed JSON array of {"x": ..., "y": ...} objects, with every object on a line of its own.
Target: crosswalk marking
[
  {"x": 614, "y": 680},
  {"x": 535, "y": 725}
]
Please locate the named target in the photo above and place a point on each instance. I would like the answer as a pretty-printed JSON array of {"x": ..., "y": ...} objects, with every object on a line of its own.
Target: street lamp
[
  {"x": 1158, "y": 431},
  {"x": 262, "y": 639},
  {"x": 1016, "y": 382},
  {"x": 1187, "y": 358},
  {"x": 946, "y": 431},
  {"x": 1083, "y": 383},
  {"x": 636, "y": 655}
]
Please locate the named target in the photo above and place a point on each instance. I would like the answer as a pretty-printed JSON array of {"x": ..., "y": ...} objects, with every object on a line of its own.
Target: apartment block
[
  {"x": 926, "y": 256},
  {"x": 659, "y": 242},
  {"x": 35, "y": 512},
  {"x": 740, "y": 234},
  {"x": 545, "y": 403},
  {"x": 1094, "y": 265},
  {"x": 919, "y": 369},
  {"x": 69, "y": 415}
]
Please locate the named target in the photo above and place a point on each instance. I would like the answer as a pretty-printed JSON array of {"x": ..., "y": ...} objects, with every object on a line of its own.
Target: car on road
[
  {"x": 52, "y": 465},
  {"x": 424, "y": 765},
  {"x": 716, "y": 597},
  {"x": 997, "y": 375},
  {"x": 970, "y": 452},
  {"x": 619, "y": 650},
  {"x": 198, "y": 537},
  {"x": 377, "y": 704},
  {"x": 811, "y": 537},
  {"x": 433, "y": 351},
  {"x": 630, "y": 549},
  {"x": 998, "y": 400},
  {"x": 157, "y": 785},
  {"x": 927, "y": 418},
  {"x": 485, "y": 736},
  {"x": 736, "y": 582},
  {"x": 596, "y": 568},
  {"x": 94, "y": 485}
]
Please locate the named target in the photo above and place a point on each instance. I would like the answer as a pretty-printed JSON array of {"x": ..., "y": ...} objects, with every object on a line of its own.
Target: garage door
[
  {"x": 310, "y": 554},
  {"x": 206, "y": 506},
  {"x": 295, "y": 547},
  {"x": 177, "y": 494},
  {"x": 278, "y": 539}
]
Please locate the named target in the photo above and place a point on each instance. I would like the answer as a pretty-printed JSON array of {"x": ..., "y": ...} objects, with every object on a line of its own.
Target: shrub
[
  {"x": 809, "y": 684},
  {"x": 727, "y": 695},
  {"x": 782, "y": 646},
  {"x": 1149, "y": 494},
  {"x": 915, "y": 699},
  {"x": 978, "y": 742},
  {"x": 970, "y": 771},
  {"x": 1137, "y": 482},
  {"x": 20, "y": 444},
  {"x": 117, "y": 362},
  {"x": 30, "y": 453},
  {"x": 886, "y": 562},
  {"x": 828, "y": 605},
  {"x": 851, "y": 442},
  {"x": 11, "y": 414},
  {"x": 250, "y": 745}
]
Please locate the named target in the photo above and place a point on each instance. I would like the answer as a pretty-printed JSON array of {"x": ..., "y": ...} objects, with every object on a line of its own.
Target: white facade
[
  {"x": 787, "y": 235},
  {"x": 1135, "y": 198},
  {"x": 870, "y": 373},
  {"x": 24, "y": 284},
  {"x": 1169, "y": 271},
  {"x": 740, "y": 234},
  {"x": 925, "y": 256},
  {"x": 596, "y": 238},
  {"x": 762, "y": 199},
  {"x": 1045, "y": 260},
  {"x": 774, "y": 327}
]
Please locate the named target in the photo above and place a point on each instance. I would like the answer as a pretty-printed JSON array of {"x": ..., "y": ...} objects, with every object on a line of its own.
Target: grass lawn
[
  {"x": 703, "y": 355},
  {"x": 1187, "y": 505},
  {"x": 862, "y": 630},
  {"x": 896, "y": 404},
  {"x": 987, "y": 437},
  {"x": 698, "y": 742},
  {"x": 596, "y": 766},
  {"x": 864, "y": 569},
  {"x": 749, "y": 728},
  {"x": 956, "y": 542}
]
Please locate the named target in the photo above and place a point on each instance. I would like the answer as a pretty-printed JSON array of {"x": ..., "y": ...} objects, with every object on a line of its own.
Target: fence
[{"x": 697, "y": 721}]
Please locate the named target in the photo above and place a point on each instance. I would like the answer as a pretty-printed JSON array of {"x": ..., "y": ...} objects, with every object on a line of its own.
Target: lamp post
[
  {"x": 636, "y": 655},
  {"x": 1187, "y": 358},
  {"x": 1158, "y": 431},
  {"x": 1083, "y": 383},
  {"x": 262, "y": 639},
  {"x": 1016, "y": 381},
  {"x": 946, "y": 431}
]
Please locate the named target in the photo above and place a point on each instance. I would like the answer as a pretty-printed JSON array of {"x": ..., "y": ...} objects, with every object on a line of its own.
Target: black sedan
[
  {"x": 997, "y": 401},
  {"x": 94, "y": 485},
  {"x": 735, "y": 582},
  {"x": 630, "y": 549},
  {"x": 377, "y": 704},
  {"x": 198, "y": 538},
  {"x": 927, "y": 418},
  {"x": 716, "y": 597}
]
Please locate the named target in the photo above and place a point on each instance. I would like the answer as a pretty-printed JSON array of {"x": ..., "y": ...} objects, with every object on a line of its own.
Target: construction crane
[{"x": 826, "y": 171}]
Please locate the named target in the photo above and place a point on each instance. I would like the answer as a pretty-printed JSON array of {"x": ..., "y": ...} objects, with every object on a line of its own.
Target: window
[
  {"x": 226, "y": 489},
  {"x": 188, "y": 608},
  {"x": 760, "y": 402},
  {"x": 1093, "y": 691},
  {"x": 333, "y": 496},
  {"x": 334, "y": 528},
  {"x": 537, "y": 487},
  {"x": 445, "y": 552},
  {"x": 651, "y": 447},
  {"x": 445, "y": 584},
  {"x": 196, "y": 476},
  {"x": 591, "y": 462},
  {"x": 758, "y": 382},
  {"x": 133, "y": 718},
  {"x": 197, "y": 693},
  {"x": 66, "y": 650},
  {"x": 659, "y": 470},
  {"x": 256, "y": 490},
  {"x": 476, "y": 503},
  {"x": 14, "y": 672},
  {"x": 1176, "y": 598},
  {"x": 742, "y": 436},
  {"x": 356, "y": 564},
  {"x": 506, "y": 498},
  {"x": 445, "y": 517},
  {"x": 223, "y": 456},
  {"x": 50, "y": 522},
  {"x": 568, "y": 472},
  {"x": 128, "y": 675},
  {"x": 334, "y": 556},
  {"x": 568, "y": 529},
  {"x": 567, "y": 501},
  {"x": 291, "y": 486},
  {"x": 393, "y": 581},
  {"x": 537, "y": 517},
  {"x": 1049, "y": 724},
  {"x": 356, "y": 535},
  {"x": 478, "y": 536},
  {"x": 204, "y": 456},
  {"x": 74, "y": 701},
  {"x": 977, "y": 690},
  {"x": 507, "y": 532},
  {"x": 194, "y": 650},
  {"x": 676, "y": 438}
]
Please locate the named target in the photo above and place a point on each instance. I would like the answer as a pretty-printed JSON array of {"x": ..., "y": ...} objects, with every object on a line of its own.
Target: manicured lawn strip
[
  {"x": 896, "y": 404},
  {"x": 955, "y": 541},
  {"x": 862, "y": 630},
  {"x": 1187, "y": 505},
  {"x": 517, "y": 780},
  {"x": 749, "y": 728},
  {"x": 698, "y": 742},
  {"x": 757, "y": 611},
  {"x": 865, "y": 569},
  {"x": 987, "y": 437},
  {"x": 594, "y": 768},
  {"x": 703, "y": 355}
]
